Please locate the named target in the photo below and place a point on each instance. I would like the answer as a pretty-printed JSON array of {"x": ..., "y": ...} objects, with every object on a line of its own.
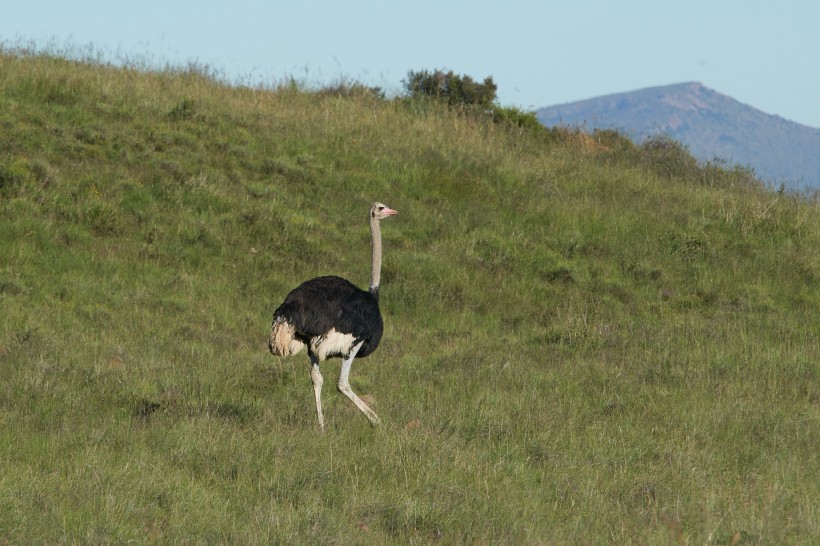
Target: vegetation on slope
[{"x": 586, "y": 341}]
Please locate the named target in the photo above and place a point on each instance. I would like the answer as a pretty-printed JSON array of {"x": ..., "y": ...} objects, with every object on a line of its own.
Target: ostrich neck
[{"x": 376, "y": 256}]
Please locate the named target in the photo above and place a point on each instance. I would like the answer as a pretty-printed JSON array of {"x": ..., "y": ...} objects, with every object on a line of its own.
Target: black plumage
[{"x": 320, "y": 305}]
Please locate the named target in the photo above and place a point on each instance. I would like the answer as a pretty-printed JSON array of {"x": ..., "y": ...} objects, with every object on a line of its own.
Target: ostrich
[{"x": 334, "y": 318}]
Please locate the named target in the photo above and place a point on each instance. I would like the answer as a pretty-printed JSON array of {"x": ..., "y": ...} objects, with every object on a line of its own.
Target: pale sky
[{"x": 763, "y": 53}]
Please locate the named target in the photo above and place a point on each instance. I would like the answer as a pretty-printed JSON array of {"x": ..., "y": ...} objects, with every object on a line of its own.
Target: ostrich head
[{"x": 380, "y": 211}]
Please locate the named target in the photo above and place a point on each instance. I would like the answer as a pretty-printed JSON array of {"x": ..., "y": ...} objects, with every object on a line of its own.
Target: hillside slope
[
  {"x": 710, "y": 124},
  {"x": 585, "y": 341}
]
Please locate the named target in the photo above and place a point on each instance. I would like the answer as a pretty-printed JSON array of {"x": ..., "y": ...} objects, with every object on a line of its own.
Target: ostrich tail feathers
[{"x": 283, "y": 340}]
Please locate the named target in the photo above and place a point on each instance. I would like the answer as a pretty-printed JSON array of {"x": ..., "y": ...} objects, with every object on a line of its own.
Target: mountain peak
[{"x": 710, "y": 124}]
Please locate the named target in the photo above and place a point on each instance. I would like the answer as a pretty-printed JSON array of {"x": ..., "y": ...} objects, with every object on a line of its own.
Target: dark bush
[
  {"x": 613, "y": 140},
  {"x": 451, "y": 88},
  {"x": 515, "y": 116},
  {"x": 478, "y": 99},
  {"x": 668, "y": 157}
]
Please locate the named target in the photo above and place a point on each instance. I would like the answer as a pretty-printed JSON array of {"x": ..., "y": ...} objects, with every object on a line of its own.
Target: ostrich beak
[{"x": 390, "y": 212}]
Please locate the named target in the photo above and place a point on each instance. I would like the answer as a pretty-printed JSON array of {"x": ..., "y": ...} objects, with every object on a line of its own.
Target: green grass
[{"x": 586, "y": 341}]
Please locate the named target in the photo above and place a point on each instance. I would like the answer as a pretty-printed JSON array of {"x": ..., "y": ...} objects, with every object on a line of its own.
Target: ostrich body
[{"x": 334, "y": 318}]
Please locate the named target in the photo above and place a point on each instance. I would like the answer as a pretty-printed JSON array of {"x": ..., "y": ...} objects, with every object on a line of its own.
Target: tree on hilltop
[{"x": 452, "y": 88}]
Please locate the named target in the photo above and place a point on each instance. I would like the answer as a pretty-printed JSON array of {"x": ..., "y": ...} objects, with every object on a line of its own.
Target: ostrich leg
[
  {"x": 344, "y": 386},
  {"x": 316, "y": 379}
]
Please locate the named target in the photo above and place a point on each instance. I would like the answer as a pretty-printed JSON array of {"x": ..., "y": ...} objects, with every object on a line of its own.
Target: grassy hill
[{"x": 585, "y": 341}]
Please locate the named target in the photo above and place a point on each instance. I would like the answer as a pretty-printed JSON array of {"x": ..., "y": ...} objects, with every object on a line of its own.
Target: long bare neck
[{"x": 376, "y": 255}]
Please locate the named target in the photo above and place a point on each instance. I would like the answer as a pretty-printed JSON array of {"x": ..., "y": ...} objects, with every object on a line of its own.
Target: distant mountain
[{"x": 710, "y": 124}]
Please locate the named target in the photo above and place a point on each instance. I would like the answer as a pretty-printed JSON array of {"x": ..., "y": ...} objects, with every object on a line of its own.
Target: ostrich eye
[{"x": 381, "y": 208}]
